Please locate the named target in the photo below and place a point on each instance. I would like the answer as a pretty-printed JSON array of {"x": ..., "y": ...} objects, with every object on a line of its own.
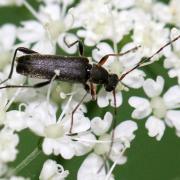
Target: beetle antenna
[{"x": 148, "y": 58}]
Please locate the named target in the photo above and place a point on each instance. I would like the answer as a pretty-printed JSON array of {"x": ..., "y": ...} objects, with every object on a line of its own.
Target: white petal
[
  {"x": 28, "y": 33},
  {"x": 16, "y": 120},
  {"x": 101, "y": 50},
  {"x": 172, "y": 97},
  {"x": 153, "y": 88},
  {"x": 142, "y": 107},
  {"x": 172, "y": 118},
  {"x": 119, "y": 99},
  {"x": 8, "y": 143},
  {"x": 52, "y": 170},
  {"x": 89, "y": 168},
  {"x": 135, "y": 79},
  {"x": 162, "y": 12},
  {"x": 80, "y": 123},
  {"x": 84, "y": 144},
  {"x": 48, "y": 170},
  {"x": 125, "y": 130},
  {"x": 174, "y": 33},
  {"x": 62, "y": 146},
  {"x": 7, "y": 36},
  {"x": 116, "y": 154},
  {"x": 3, "y": 99},
  {"x": 44, "y": 46},
  {"x": 100, "y": 126},
  {"x": 40, "y": 114},
  {"x": 70, "y": 38},
  {"x": 130, "y": 59},
  {"x": 102, "y": 98},
  {"x": 156, "y": 127}
]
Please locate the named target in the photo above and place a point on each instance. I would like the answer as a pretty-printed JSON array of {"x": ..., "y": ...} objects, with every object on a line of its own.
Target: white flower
[
  {"x": 100, "y": 126},
  {"x": 174, "y": 8},
  {"x": 42, "y": 120},
  {"x": 105, "y": 98},
  {"x": 38, "y": 36},
  {"x": 53, "y": 171},
  {"x": 7, "y": 40},
  {"x": 172, "y": 61},
  {"x": 15, "y": 120},
  {"x": 50, "y": 29},
  {"x": 8, "y": 143},
  {"x": 100, "y": 22},
  {"x": 123, "y": 135},
  {"x": 162, "y": 12},
  {"x": 7, "y": 36},
  {"x": 150, "y": 35},
  {"x": 161, "y": 107},
  {"x": 57, "y": 22},
  {"x": 3, "y": 102},
  {"x": 90, "y": 169}
]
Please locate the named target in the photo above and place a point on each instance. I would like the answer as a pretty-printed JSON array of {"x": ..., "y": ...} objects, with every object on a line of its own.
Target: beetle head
[{"x": 111, "y": 83}]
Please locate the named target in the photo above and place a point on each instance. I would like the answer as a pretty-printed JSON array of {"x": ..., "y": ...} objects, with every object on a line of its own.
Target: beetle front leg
[
  {"x": 23, "y": 50},
  {"x": 93, "y": 91},
  {"x": 105, "y": 58},
  {"x": 80, "y": 45}
]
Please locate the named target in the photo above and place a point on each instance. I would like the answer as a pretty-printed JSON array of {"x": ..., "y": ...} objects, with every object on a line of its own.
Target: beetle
[{"x": 71, "y": 68}]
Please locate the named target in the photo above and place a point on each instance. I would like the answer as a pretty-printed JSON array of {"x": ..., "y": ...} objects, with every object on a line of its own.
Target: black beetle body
[{"x": 71, "y": 68}]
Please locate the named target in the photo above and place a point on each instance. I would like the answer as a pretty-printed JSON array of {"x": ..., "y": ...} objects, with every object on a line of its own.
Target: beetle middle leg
[
  {"x": 23, "y": 50},
  {"x": 105, "y": 58},
  {"x": 80, "y": 45},
  {"x": 87, "y": 88}
]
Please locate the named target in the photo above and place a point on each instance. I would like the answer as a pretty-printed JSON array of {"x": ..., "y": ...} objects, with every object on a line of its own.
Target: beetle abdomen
[{"x": 74, "y": 69}]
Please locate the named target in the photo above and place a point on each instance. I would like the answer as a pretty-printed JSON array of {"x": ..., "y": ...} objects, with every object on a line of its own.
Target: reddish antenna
[{"x": 148, "y": 58}]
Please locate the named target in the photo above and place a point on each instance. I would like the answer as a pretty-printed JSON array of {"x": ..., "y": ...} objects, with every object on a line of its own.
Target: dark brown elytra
[{"x": 71, "y": 68}]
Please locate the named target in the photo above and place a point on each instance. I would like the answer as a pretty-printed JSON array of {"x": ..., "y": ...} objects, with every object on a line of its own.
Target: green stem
[{"x": 25, "y": 162}]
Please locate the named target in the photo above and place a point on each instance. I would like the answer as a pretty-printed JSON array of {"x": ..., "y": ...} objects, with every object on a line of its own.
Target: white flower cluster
[{"x": 104, "y": 26}]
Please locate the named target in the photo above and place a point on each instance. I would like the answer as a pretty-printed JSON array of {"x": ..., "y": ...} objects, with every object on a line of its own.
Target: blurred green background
[{"x": 148, "y": 159}]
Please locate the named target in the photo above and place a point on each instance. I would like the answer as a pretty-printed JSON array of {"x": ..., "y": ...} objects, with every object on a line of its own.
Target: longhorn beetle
[{"x": 71, "y": 68}]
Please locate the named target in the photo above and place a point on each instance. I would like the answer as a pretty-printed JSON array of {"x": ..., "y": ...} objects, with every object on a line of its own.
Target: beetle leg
[
  {"x": 38, "y": 85},
  {"x": 21, "y": 49},
  {"x": 114, "y": 122},
  {"x": 80, "y": 45},
  {"x": 105, "y": 58},
  {"x": 93, "y": 91},
  {"x": 74, "y": 110},
  {"x": 112, "y": 135}
]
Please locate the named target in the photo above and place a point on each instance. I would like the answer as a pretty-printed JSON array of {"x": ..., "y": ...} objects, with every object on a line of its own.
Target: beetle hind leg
[{"x": 23, "y": 50}]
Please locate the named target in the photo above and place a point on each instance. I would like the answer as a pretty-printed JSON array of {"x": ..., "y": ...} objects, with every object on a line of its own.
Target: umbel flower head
[{"x": 61, "y": 117}]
